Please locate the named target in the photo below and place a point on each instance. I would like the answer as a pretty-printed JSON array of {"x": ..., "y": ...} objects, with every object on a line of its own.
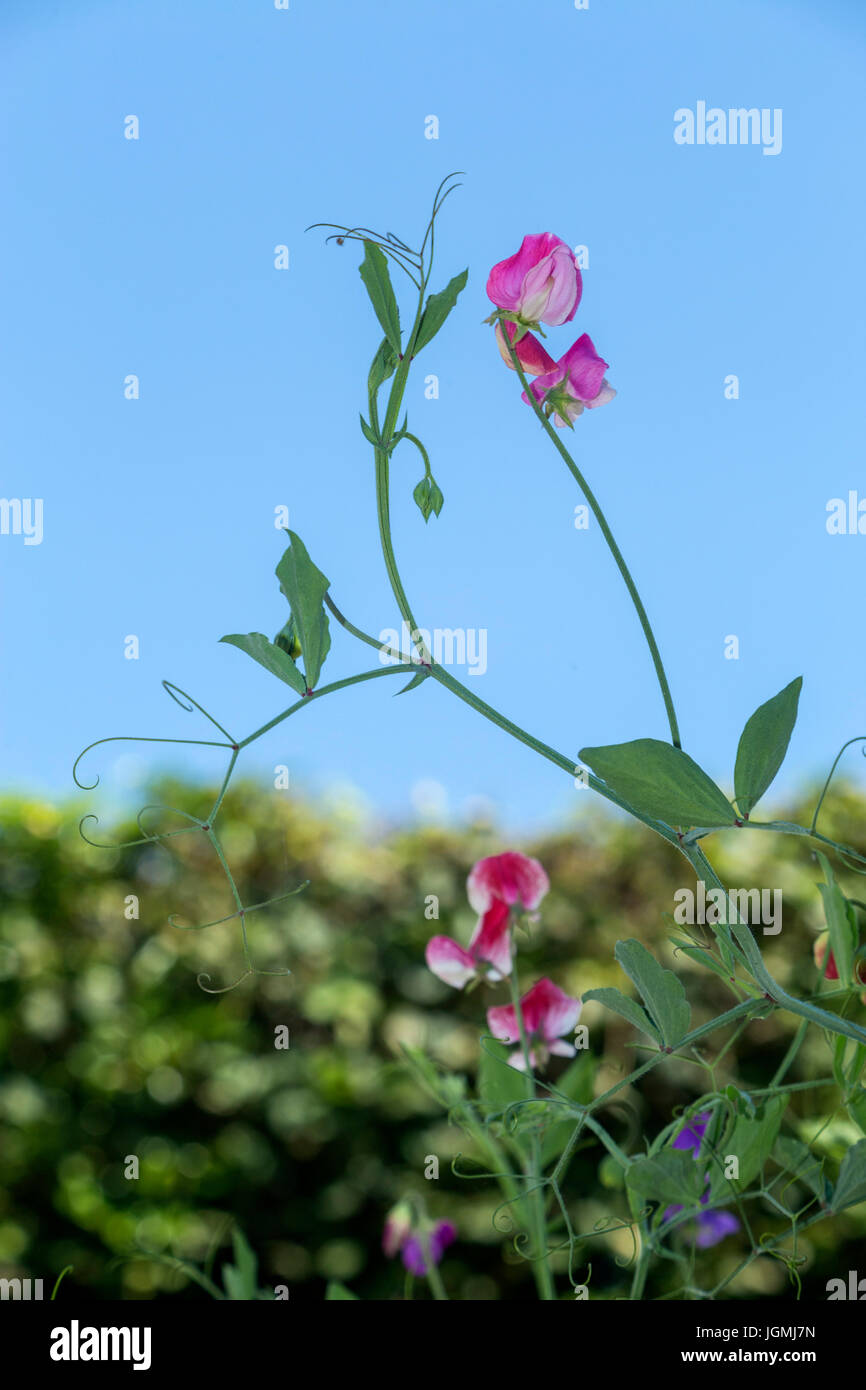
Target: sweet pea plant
[{"x": 729, "y": 1162}]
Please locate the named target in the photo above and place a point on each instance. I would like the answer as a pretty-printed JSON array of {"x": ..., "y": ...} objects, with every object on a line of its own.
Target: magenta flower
[
  {"x": 412, "y": 1240},
  {"x": 540, "y": 283},
  {"x": 413, "y": 1253},
  {"x": 533, "y": 358},
  {"x": 510, "y": 878},
  {"x": 576, "y": 381},
  {"x": 548, "y": 1013},
  {"x": 489, "y": 954},
  {"x": 710, "y": 1226}
]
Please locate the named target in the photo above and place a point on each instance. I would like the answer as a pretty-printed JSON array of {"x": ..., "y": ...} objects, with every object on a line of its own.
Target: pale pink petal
[
  {"x": 558, "y": 1048},
  {"x": 606, "y": 394},
  {"x": 448, "y": 960}
]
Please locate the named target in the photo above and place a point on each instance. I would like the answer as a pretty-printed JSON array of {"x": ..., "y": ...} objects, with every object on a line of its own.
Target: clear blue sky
[{"x": 155, "y": 257}]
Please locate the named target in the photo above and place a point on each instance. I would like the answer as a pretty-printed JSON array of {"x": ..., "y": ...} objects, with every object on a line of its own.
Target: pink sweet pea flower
[
  {"x": 533, "y": 358},
  {"x": 489, "y": 954},
  {"x": 548, "y": 1013},
  {"x": 577, "y": 381},
  {"x": 540, "y": 283},
  {"x": 510, "y": 878}
]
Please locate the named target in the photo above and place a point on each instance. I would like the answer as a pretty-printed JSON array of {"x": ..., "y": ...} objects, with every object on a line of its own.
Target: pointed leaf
[
  {"x": 498, "y": 1082},
  {"x": 851, "y": 1187},
  {"x": 671, "y": 1177},
  {"x": 415, "y": 680},
  {"x": 661, "y": 990},
  {"x": 627, "y": 1008},
  {"x": 305, "y": 587},
  {"x": 763, "y": 745},
  {"x": 750, "y": 1141},
  {"x": 368, "y": 433},
  {"x": 383, "y": 366},
  {"x": 269, "y": 655},
  {"x": 661, "y": 781},
  {"x": 336, "y": 1290},
  {"x": 377, "y": 280},
  {"x": 800, "y": 1162},
  {"x": 437, "y": 309}
]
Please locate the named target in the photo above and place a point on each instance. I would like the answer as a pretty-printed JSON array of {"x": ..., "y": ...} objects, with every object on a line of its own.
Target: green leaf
[
  {"x": 851, "y": 1187},
  {"x": 383, "y": 366},
  {"x": 437, "y": 309},
  {"x": 671, "y": 1177},
  {"x": 576, "y": 1083},
  {"x": 661, "y": 990},
  {"x": 499, "y": 1084},
  {"x": 801, "y": 1163},
  {"x": 377, "y": 280},
  {"x": 239, "y": 1279},
  {"x": 305, "y": 587},
  {"x": 660, "y": 781},
  {"x": 750, "y": 1141},
  {"x": 269, "y": 655},
  {"x": 763, "y": 745},
  {"x": 841, "y": 919},
  {"x": 855, "y": 1103},
  {"x": 368, "y": 433},
  {"x": 417, "y": 679},
  {"x": 627, "y": 1008},
  {"x": 337, "y": 1290}
]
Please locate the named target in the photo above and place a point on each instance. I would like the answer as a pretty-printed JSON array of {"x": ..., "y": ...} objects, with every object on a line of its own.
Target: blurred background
[{"x": 111, "y": 1048}]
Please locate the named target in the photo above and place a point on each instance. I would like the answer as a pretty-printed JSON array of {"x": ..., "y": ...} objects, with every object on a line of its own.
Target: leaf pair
[
  {"x": 377, "y": 282},
  {"x": 663, "y": 782},
  {"x": 667, "y": 1014},
  {"x": 305, "y": 587}
]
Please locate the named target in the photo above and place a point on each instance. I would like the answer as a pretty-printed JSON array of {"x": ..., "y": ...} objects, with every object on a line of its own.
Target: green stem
[
  {"x": 614, "y": 549},
  {"x": 540, "y": 1265}
]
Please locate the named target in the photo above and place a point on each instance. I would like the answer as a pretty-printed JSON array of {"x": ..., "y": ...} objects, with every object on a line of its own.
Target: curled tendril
[
  {"x": 128, "y": 844},
  {"x": 858, "y": 738},
  {"x": 137, "y": 738},
  {"x": 411, "y": 262},
  {"x": 225, "y": 989},
  {"x": 179, "y": 696}
]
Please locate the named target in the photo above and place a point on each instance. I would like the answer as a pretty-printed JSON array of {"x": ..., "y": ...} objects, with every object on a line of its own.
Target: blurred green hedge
[{"x": 110, "y": 1048}]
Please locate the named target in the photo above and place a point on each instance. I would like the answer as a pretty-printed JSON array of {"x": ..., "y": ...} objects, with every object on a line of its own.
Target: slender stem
[
  {"x": 540, "y": 1265},
  {"x": 325, "y": 690},
  {"x": 615, "y": 551}
]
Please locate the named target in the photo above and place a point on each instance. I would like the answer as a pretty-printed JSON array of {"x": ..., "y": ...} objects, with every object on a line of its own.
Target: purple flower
[
  {"x": 414, "y": 1254},
  {"x": 711, "y": 1226},
  {"x": 409, "y": 1238}
]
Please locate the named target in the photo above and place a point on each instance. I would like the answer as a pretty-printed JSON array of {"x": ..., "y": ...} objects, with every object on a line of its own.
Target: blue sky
[{"x": 156, "y": 257}]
